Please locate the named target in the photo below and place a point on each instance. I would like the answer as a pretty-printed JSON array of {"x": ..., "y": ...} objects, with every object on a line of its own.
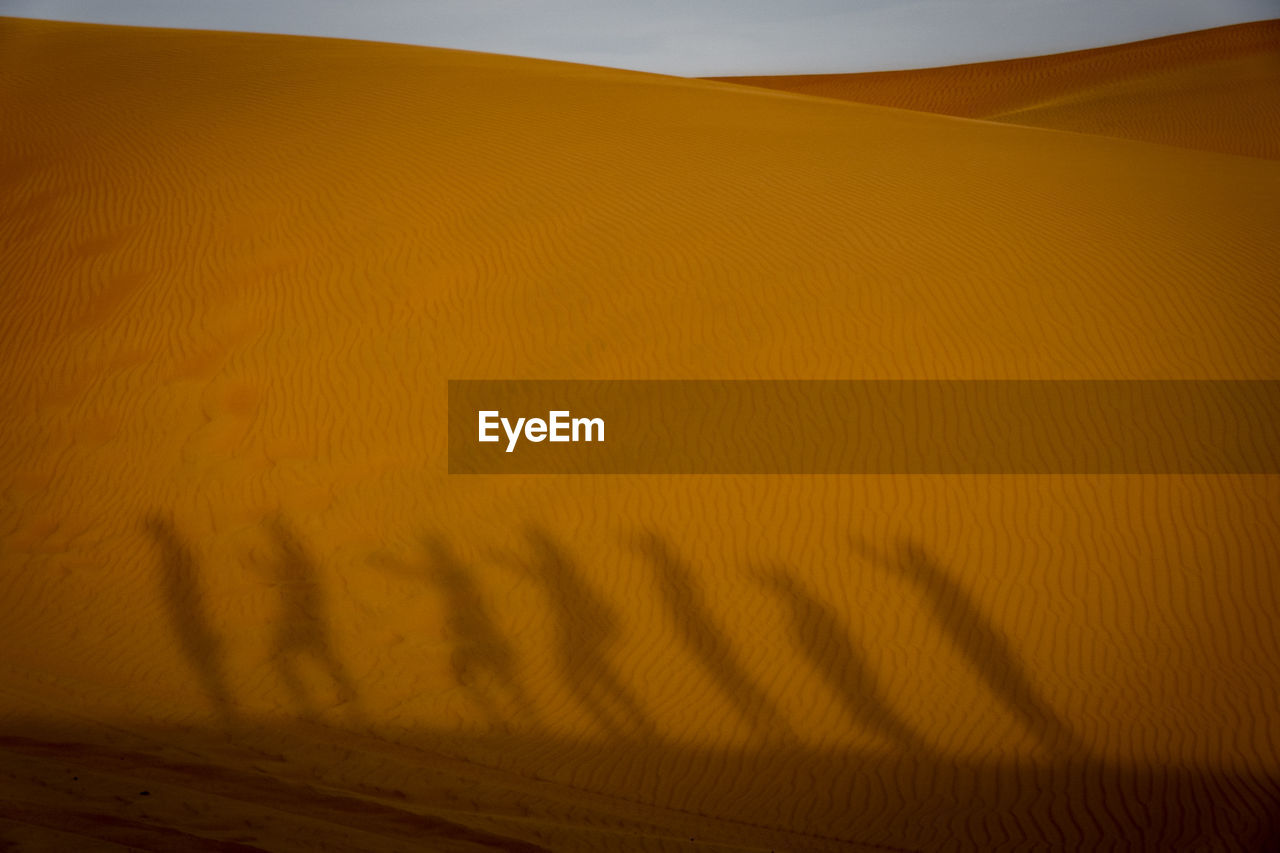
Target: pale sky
[{"x": 696, "y": 37}]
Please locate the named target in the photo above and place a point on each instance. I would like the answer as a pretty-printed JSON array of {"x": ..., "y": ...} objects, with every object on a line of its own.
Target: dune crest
[{"x": 1213, "y": 90}]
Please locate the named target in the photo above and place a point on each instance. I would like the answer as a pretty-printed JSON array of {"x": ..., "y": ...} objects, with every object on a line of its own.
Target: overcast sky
[{"x": 696, "y": 37}]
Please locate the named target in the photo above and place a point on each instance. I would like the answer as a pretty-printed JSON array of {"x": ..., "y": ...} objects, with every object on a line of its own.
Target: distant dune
[
  {"x": 242, "y": 605},
  {"x": 1215, "y": 90}
]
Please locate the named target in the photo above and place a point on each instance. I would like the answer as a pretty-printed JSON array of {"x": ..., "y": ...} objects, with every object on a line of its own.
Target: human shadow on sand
[
  {"x": 973, "y": 635},
  {"x": 184, "y": 601},
  {"x": 822, "y": 637},
  {"x": 705, "y": 640},
  {"x": 301, "y": 629},
  {"x": 586, "y": 628},
  {"x": 535, "y": 788},
  {"x": 483, "y": 661}
]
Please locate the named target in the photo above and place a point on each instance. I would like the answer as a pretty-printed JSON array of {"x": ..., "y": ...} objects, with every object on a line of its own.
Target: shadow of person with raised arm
[
  {"x": 483, "y": 662},
  {"x": 818, "y": 633},
  {"x": 184, "y": 601},
  {"x": 302, "y": 628},
  {"x": 704, "y": 639},
  {"x": 585, "y": 628},
  {"x": 986, "y": 648}
]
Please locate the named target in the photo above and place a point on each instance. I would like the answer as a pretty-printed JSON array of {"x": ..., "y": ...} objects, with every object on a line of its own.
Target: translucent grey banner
[{"x": 864, "y": 427}]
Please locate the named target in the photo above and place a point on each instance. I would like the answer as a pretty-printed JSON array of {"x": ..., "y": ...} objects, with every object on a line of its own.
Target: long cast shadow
[
  {"x": 480, "y": 649},
  {"x": 698, "y": 630},
  {"x": 440, "y": 788},
  {"x": 820, "y": 635},
  {"x": 987, "y": 650},
  {"x": 184, "y": 601},
  {"x": 585, "y": 628},
  {"x": 302, "y": 629}
]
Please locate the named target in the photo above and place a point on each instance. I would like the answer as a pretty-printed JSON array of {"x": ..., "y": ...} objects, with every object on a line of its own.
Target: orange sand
[
  {"x": 1215, "y": 90},
  {"x": 238, "y": 271}
]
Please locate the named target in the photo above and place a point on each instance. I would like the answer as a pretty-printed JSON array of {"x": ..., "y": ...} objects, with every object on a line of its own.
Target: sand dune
[
  {"x": 1214, "y": 90},
  {"x": 238, "y": 273}
]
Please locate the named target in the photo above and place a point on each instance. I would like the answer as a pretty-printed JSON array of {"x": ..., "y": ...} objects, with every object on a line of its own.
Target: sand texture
[
  {"x": 238, "y": 271},
  {"x": 1214, "y": 90}
]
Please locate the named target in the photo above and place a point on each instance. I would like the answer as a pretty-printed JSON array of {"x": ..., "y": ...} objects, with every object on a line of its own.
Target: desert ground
[{"x": 244, "y": 606}]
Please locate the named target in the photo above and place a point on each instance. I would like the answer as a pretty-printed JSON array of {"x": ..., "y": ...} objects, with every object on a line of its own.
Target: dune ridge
[
  {"x": 1214, "y": 90},
  {"x": 239, "y": 271}
]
